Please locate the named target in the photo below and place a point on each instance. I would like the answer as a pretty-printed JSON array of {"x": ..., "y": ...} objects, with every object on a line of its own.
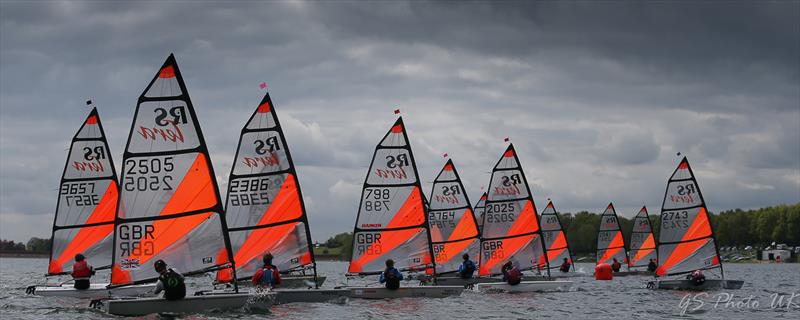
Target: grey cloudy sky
[{"x": 596, "y": 96}]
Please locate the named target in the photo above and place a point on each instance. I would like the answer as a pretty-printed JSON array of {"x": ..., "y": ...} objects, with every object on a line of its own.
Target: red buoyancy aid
[{"x": 81, "y": 270}]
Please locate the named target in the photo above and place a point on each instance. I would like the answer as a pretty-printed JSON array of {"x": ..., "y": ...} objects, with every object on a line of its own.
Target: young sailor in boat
[
  {"x": 652, "y": 266},
  {"x": 81, "y": 272},
  {"x": 268, "y": 276},
  {"x": 565, "y": 266},
  {"x": 170, "y": 281},
  {"x": 467, "y": 268},
  {"x": 511, "y": 274},
  {"x": 697, "y": 277},
  {"x": 391, "y": 276},
  {"x": 615, "y": 266}
]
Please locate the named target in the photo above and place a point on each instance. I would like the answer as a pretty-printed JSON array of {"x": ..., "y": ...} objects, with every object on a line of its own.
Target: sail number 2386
[{"x": 148, "y": 174}]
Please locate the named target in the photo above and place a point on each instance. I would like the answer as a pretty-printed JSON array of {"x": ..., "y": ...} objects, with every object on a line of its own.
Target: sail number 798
[{"x": 377, "y": 199}]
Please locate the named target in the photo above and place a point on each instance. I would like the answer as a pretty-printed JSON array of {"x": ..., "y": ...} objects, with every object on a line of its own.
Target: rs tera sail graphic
[
  {"x": 610, "y": 242},
  {"x": 555, "y": 238},
  {"x": 642, "y": 244}
]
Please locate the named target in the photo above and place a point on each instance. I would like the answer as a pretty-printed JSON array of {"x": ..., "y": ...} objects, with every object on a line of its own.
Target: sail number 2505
[{"x": 152, "y": 174}]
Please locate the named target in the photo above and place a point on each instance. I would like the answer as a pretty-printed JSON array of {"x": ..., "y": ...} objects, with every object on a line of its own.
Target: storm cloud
[{"x": 597, "y": 97}]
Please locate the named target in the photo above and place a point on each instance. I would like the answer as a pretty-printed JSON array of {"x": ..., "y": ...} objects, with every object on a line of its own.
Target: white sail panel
[
  {"x": 163, "y": 126},
  {"x": 261, "y": 152}
]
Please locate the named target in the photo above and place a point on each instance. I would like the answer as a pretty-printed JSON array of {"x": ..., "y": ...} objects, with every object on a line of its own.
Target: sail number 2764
[{"x": 148, "y": 174}]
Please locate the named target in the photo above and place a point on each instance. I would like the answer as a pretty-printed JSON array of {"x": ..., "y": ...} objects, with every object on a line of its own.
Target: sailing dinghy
[
  {"x": 611, "y": 242},
  {"x": 642, "y": 244},
  {"x": 453, "y": 227},
  {"x": 169, "y": 206},
  {"x": 265, "y": 212},
  {"x": 84, "y": 220},
  {"x": 511, "y": 230},
  {"x": 392, "y": 221},
  {"x": 686, "y": 240},
  {"x": 555, "y": 240}
]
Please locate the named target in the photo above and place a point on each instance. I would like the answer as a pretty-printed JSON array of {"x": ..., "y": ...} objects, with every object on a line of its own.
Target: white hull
[
  {"x": 457, "y": 281},
  {"x": 709, "y": 284},
  {"x": 95, "y": 291},
  {"x": 405, "y": 292},
  {"x": 189, "y": 304},
  {"x": 301, "y": 281},
  {"x": 525, "y": 286},
  {"x": 283, "y": 296},
  {"x": 633, "y": 273}
]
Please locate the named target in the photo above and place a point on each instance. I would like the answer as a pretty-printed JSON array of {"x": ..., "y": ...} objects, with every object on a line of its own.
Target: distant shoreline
[{"x": 23, "y": 254}]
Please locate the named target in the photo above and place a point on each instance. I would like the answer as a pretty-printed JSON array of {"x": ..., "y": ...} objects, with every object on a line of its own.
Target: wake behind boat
[
  {"x": 392, "y": 222},
  {"x": 686, "y": 241},
  {"x": 84, "y": 220}
]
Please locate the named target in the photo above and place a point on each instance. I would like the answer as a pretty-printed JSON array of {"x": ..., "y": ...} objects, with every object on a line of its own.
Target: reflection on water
[{"x": 622, "y": 298}]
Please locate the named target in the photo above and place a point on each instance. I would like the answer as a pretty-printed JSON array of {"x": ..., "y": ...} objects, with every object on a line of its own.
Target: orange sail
[
  {"x": 392, "y": 217},
  {"x": 555, "y": 238},
  {"x": 87, "y": 201},
  {"x": 454, "y": 230},
  {"x": 610, "y": 243},
  {"x": 642, "y": 243},
  {"x": 169, "y": 204},
  {"x": 510, "y": 226},
  {"x": 265, "y": 211},
  {"x": 686, "y": 241}
]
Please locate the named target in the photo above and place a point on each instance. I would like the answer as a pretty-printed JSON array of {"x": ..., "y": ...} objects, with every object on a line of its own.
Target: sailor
[
  {"x": 652, "y": 266},
  {"x": 615, "y": 266},
  {"x": 565, "y": 266},
  {"x": 511, "y": 274},
  {"x": 170, "y": 281},
  {"x": 268, "y": 276},
  {"x": 697, "y": 277},
  {"x": 467, "y": 268},
  {"x": 391, "y": 276},
  {"x": 81, "y": 272}
]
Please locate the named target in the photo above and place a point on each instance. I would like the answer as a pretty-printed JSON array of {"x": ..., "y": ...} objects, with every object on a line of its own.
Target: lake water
[{"x": 621, "y": 298}]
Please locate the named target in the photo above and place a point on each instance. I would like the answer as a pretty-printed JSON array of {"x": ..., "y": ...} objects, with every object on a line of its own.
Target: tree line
[
  {"x": 758, "y": 228},
  {"x": 35, "y": 244}
]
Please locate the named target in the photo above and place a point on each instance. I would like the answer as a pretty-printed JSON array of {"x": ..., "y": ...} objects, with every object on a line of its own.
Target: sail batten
[
  {"x": 265, "y": 209},
  {"x": 84, "y": 219},
  {"x": 511, "y": 229},
  {"x": 452, "y": 224},
  {"x": 686, "y": 239},
  {"x": 169, "y": 205},
  {"x": 392, "y": 220},
  {"x": 610, "y": 242}
]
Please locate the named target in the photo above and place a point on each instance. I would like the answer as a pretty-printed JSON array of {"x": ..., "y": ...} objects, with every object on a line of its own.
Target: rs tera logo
[{"x": 176, "y": 115}]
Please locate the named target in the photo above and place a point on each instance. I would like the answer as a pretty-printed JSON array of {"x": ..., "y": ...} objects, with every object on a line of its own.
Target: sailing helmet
[
  {"x": 79, "y": 257},
  {"x": 160, "y": 265},
  {"x": 267, "y": 259}
]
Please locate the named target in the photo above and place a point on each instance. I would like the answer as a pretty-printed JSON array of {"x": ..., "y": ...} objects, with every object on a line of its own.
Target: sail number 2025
[{"x": 148, "y": 174}]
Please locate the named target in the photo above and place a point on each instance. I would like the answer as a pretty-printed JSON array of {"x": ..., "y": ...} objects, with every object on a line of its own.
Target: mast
[
  {"x": 169, "y": 207},
  {"x": 511, "y": 230},
  {"x": 265, "y": 211},
  {"x": 479, "y": 210},
  {"x": 555, "y": 238},
  {"x": 392, "y": 221},
  {"x": 452, "y": 224},
  {"x": 686, "y": 241},
  {"x": 84, "y": 219},
  {"x": 610, "y": 242},
  {"x": 642, "y": 242}
]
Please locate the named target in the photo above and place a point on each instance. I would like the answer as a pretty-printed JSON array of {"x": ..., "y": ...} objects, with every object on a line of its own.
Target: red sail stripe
[
  {"x": 451, "y": 248},
  {"x": 466, "y": 227},
  {"x": 510, "y": 247},
  {"x": 700, "y": 228},
  {"x": 389, "y": 241},
  {"x": 91, "y": 120},
  {"x": 285, "y": 206},
  {"x": 615, "y": 246},
  {"x": 646, "y": 248},
  {"x": 167, "y": 72},
  {"x": 258, "y": 243},
  {"x": 561, "y": 243},
  {"x": 397, "y": 129},
  {"x": 264, "y": 107},
  {"x": 86, "y": 237},
  {"x": 193, "y": 193}
]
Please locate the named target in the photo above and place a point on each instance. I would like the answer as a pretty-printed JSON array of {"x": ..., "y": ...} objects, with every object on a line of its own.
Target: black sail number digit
[
  {"x": 500, "y": 212},
  {"x": 377, "y": 199},
  {"x": 152, "y": 174}
]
